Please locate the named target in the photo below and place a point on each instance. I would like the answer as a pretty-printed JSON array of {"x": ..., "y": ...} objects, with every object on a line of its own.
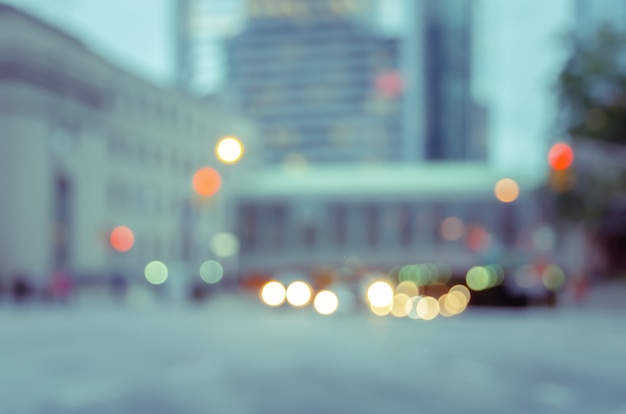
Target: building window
[
  {"x": 62, "y": 222},
  {"x": 309, "y": 235},
  {"x": 507, "y": 223},
  {"x": 427, "y": 227},
  {"x": 373, "y": 219},
  {"x": 118, "y": 195},
  {"x": 404, "y": 222},
  {"x": 247, "y": 226},
  {"x": 279, "y": 220},
  {"x": 339, "y": 216}
]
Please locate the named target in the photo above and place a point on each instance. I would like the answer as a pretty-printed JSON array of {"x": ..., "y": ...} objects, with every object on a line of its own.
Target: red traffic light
[
  {"x": 560, "y": 156},
  {"x": 206, "y": 181}
]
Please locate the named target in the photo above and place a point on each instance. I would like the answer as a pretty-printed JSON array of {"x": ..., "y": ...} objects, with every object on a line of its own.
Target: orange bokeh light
[
  {"x": 122, "y": 238},
  {"x": 506, "y": 190},
  {"x": 206, "y": 181},
  {"x": 560, "y": 156}
]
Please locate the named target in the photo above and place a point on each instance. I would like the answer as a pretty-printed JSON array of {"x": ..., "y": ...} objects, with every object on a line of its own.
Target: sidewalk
[{"x": 603, "y": 295}]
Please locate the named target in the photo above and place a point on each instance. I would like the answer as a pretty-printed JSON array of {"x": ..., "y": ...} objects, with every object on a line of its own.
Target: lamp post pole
[{"x": 229, "y": 151}]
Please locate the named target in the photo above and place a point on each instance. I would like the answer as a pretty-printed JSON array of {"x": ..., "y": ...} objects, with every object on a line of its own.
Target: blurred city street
[
  {"x": 233, "y": 355},
  {"x": 312, "y": 206}
]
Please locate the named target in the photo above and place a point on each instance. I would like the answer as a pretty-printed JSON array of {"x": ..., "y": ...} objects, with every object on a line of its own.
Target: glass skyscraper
[
  {"x": 454, "y": 122},
  {"x": 320, "y": 81},
  {"x": 326, "y": 85}
]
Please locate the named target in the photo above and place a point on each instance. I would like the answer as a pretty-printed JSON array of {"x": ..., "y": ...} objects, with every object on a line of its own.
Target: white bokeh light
[
  {"x": 273, "y": 293},
  {"x": 156, "y": 272},
  {"x": 326, "y": 302},
  {"x": 298, "y": 293},
  {"x": 229, "y": 150},
  {"x": 380, "y": 294}
]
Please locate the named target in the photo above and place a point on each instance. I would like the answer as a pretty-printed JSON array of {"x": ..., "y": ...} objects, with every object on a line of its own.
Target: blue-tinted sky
[
  {"x": 136, "y": 34},
  {"x": 518, "y": 58}
]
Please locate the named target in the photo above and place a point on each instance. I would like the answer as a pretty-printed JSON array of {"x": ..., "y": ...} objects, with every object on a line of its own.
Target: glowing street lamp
[
  {"x": 229, "y": 150},
  {"x": 206, "y": 182}
]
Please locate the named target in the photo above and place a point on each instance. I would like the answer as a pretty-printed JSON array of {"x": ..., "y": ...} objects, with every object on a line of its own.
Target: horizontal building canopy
[{"x": 401, "y": 180}]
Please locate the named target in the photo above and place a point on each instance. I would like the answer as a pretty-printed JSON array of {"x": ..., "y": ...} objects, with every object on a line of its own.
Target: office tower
[
  {"x": 321, "y": 82},
  {"x": 199, "y": 28},
  {"x": 326, "y": 84},
  {"x": 454, "y": 122}
]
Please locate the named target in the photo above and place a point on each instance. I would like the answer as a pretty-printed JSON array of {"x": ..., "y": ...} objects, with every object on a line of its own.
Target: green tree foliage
[
  {"x": 592, "y": 94},
  {"x": 592, "y": 86}
]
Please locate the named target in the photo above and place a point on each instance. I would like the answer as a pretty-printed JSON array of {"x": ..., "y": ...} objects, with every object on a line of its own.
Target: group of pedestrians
[
  {"x": 22, "y": 288},
  {"x": 60, "y": 287}
]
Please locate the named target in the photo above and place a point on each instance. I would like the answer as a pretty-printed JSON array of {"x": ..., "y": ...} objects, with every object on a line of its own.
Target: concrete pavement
[{"x": 234, "y": 355}]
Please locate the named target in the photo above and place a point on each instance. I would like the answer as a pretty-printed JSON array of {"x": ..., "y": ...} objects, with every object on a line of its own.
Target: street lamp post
[
  {"x": 229, "y": 150},
  {"x": 507, "y": 191}
]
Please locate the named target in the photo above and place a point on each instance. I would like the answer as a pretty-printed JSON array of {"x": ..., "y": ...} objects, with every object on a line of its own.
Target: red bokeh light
[
  {"x": 206, "y": 182},
  {"x": 560, "y": 156},
  {"x": 478, "y": 239},
  {"x": 389, "y": 84},
  {"x": 122, "y": 238}
]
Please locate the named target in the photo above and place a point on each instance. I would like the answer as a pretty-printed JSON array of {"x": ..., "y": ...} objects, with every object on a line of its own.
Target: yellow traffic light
[{"x": 561, "y": 181}]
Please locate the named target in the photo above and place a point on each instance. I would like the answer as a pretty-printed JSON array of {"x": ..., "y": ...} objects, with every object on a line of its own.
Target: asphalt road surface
[{"x": 233, "y": 355}]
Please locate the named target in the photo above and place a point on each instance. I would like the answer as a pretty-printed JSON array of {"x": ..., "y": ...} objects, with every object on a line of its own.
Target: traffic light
[
  {"x": 561, "y": 181},
  {"x": 560, "y": 159},
  {"x": 560, "y": 156}
]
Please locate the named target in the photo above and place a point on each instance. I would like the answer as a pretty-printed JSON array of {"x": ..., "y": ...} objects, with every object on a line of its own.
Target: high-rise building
[
  {"x": 200, "y": 26},
  {"x": 328, "y": 86},
  {"x": 454, "y": 122},
  {"x": 319, "y": 79},
  {"x": 326, "y": 83}
]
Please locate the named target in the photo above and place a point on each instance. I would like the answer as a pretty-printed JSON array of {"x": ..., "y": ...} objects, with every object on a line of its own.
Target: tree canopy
[
  {"x": 591, "y": 89},
  {"x": 592, "y": 86}
]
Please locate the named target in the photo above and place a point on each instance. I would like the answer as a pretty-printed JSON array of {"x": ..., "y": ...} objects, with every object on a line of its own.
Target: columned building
[
  {"x": 381, "y": 218},
  {"x": 86, "y": 147}
]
